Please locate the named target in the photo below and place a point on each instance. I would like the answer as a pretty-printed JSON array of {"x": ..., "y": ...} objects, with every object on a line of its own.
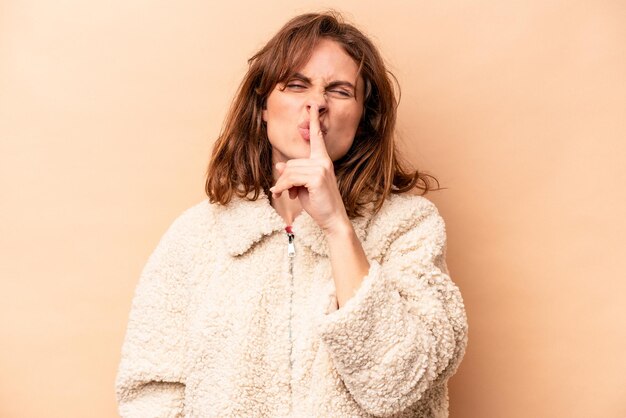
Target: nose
[{"x": 317, "y": 98}]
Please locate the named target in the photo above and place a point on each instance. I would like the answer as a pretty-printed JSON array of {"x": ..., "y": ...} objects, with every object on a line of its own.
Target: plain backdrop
[{"x": 109, "y": 109}]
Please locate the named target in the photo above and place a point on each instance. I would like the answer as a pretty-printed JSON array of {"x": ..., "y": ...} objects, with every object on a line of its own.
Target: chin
[
  {"x": 299, "y": 155},
  {"x": 302, "y": 151}
]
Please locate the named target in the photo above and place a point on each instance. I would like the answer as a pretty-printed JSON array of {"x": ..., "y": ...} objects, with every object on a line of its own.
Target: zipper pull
[{"x": 291, "y": 248}]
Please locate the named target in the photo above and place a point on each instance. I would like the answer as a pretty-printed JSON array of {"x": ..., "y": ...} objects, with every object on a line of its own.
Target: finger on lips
[
  {"x": 317, "y": 149},
  {"x": 318, "y": 146},
  {"x": 314, "y": 122}
]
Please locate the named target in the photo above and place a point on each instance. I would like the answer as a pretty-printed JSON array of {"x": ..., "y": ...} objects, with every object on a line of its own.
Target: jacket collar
[{"x": 242, "y": 223}]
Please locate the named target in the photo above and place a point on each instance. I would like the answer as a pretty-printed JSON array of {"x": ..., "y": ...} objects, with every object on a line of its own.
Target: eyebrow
[{"x": 335, "y": 83}]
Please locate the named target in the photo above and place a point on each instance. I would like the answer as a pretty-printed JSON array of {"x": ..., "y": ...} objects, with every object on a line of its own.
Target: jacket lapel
[
  {"x": 243, "y": 222},
  {"x": 308, "y": 233}
]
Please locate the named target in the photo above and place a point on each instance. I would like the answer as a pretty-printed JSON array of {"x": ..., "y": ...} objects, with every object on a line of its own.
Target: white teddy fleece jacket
[{"x": 225, "y": 324}]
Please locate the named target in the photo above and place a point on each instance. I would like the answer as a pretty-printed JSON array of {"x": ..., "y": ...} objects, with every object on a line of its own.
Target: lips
[{"x": 305, "y": 131}]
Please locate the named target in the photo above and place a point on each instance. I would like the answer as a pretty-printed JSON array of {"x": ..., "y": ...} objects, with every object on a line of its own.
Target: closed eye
[{"x": 340, "y": 93}]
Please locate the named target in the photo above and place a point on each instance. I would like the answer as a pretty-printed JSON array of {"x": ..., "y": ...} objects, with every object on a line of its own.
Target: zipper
[
  {"x": 291, "y": 248},
  {"x": 291, "y": 253}
]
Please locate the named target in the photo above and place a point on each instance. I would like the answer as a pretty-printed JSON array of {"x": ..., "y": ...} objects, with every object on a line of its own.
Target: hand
[{"x": 313, "y": 181}]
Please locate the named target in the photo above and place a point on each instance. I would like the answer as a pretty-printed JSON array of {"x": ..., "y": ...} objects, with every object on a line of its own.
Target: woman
[{"x": 309, "y": 284}]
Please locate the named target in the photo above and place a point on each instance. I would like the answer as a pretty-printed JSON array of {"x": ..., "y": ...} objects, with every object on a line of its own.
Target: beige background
[{"x": 108, "y": 110}]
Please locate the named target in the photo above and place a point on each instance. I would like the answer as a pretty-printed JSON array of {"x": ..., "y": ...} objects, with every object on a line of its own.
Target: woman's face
[{"x": 328, "y": 79}]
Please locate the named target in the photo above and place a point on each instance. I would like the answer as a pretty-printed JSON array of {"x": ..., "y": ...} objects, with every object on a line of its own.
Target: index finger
[{"x": 316, "y": 137}]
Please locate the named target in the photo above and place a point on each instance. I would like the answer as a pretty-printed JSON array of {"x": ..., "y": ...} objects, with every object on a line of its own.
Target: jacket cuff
[
  {"x": 354, "y": 306},
  {"x": 373, "y": 344},
  {"x": 367, "y": 326}
]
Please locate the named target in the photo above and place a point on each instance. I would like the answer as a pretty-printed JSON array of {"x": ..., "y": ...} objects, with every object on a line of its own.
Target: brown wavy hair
[{"x": 241, "y": 162}]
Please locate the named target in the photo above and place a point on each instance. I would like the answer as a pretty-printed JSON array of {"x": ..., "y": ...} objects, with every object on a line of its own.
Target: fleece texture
[{"x": 224, "y": 324}]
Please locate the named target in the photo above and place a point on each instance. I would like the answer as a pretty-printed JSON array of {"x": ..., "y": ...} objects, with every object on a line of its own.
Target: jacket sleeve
[
  {"x": 150, "y": 380},
  {"x": 405, "y": 328}
]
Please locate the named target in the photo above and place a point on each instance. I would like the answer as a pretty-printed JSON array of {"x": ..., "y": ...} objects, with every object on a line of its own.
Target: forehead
[{"x": 329, "y": 61}]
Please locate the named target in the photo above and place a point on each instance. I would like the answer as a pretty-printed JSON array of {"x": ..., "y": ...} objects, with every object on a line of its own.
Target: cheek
[
  {"x": 279, "y": 107},
  {"x": 348, "y": 121}
]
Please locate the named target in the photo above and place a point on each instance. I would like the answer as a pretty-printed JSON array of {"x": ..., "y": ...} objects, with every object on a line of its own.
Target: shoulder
[
  {"x": 406, "y": 216},
  {"x": 187, "y": 236},
  {"x": 408, "y": 204},
  {"x": 189, "y": 228},
  {"x": 199, "y": 214},
  {"x": 401, "y": 212}
]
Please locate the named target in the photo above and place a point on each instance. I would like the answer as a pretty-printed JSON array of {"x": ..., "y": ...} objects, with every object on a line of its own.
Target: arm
[
  {"x": 150, "y": 380},
  {"x": 348, "y": 261},
  {"x": 405, "y": 327}
]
